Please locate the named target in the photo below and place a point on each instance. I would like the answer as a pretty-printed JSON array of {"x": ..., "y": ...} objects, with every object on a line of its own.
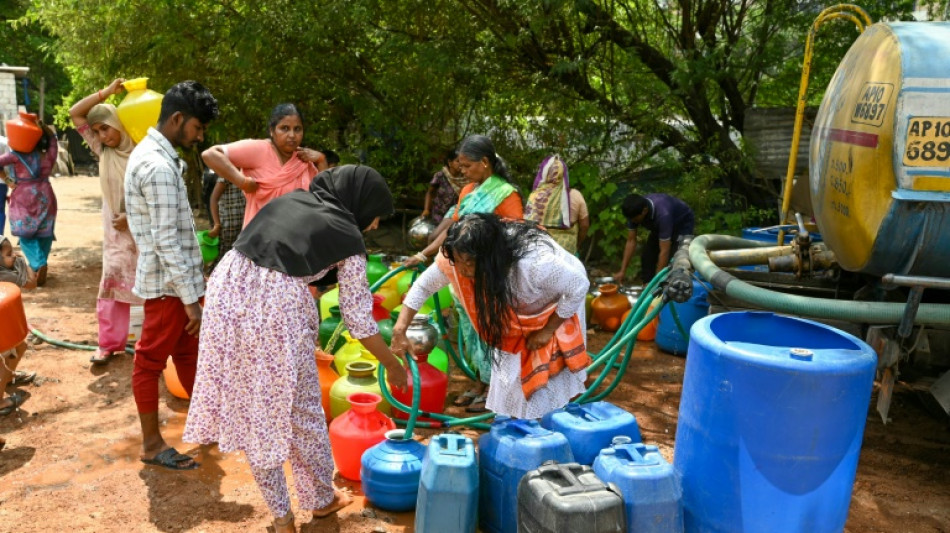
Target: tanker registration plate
[{"x": 928, "y": 142}]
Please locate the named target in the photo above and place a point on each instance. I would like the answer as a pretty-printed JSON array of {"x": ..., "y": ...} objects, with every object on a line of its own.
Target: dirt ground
[{"x": 71, "y": 461}]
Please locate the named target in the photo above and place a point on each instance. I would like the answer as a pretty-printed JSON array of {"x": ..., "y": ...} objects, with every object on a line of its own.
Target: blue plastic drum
[
  {"x": 770, "y": 424},
  {"x": 390, "y": 471},
  {"x": 668, "y": 336}
]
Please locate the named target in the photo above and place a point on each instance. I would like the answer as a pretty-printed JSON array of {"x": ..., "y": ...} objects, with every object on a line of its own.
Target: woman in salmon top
[{"x": 268, "y": 168}]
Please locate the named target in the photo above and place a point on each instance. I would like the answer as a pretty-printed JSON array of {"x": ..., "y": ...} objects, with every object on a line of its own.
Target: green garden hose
[
  {"x": 70, "y": 345},
  {"x": 851, "y": 311}
]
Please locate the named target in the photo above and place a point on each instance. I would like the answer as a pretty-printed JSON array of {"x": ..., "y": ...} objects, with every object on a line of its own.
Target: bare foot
[{"x": 340, "y": 500}]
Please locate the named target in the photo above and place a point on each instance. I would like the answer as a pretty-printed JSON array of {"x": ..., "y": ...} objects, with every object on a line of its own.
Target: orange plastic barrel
[{"x": 13, "y": 328}]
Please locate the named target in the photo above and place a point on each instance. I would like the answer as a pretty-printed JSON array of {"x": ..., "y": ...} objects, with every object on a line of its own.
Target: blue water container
[
  {"x": 770, "y": 424},
  {"x": 770, "y": 234},
  {"x": 511, "y": 449},
  {"x": 591, "y": 427},
  {"x": 390, "y": 470},
  {"x": 651, "y": 490},
  {"x": 668, "y": 336},
  {"x": 448, "y": 490}
]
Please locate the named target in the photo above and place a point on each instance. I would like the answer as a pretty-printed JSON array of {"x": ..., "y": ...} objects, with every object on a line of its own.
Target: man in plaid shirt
[{"x": 169, "y": 271}]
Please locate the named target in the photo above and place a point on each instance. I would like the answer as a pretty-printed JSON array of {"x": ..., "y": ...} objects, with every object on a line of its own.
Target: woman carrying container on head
[
  {"x": 556, "y": 206},
  {"x": 33, "y": 202},
  {"x": 99, "y": 125},
  {"x": 489, "y": 191},
  {"x": 256, "y": 387},
  {"x": 267, "y": 168},
  {"x": 526, "y": 298}
]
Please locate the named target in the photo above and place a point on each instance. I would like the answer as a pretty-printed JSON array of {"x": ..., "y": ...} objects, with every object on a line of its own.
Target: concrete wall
[{"x": 8, "y": 107}]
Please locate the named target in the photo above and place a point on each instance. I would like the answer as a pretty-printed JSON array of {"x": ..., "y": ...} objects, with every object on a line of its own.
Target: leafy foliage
[
  {"x": 27, "y": 44},
  {"x": 618, "y": 87}
]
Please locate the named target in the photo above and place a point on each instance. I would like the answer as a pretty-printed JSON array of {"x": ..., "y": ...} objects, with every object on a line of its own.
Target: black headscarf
[{"x": 302, "y": 233}]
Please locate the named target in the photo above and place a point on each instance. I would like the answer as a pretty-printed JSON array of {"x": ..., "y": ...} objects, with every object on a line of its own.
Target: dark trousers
[{"x": 650, "y": 254}]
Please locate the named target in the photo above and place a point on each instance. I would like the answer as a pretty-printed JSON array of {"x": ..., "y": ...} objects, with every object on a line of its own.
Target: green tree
[
  {"x": 367, "y": 74},
  {"x": 27, "y": 44},
  {"x": 678, "y": 75},
  {"x": 621, "y": 85}
]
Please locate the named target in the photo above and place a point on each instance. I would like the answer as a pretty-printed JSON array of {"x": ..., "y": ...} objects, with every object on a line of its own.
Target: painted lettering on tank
[
  {"x": 840, "y": 179},
  {"x": 873, "y": 102},
  {"x": 928, "y": 142}
]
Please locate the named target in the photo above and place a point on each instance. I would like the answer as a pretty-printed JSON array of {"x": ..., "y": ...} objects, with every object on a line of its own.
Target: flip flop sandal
[
  {"x": 478, "y": 404},
  {"x": 16, "y": 400},
  {"x": 172, "y": 460},
  {"x": 22, "y": 378},
  {"x": 465, "y": 398},
  {"x": 101, "y": 357}
]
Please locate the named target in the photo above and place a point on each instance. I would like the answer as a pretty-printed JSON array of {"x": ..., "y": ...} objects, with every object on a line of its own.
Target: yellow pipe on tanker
[{"x": 860, "y": 19}]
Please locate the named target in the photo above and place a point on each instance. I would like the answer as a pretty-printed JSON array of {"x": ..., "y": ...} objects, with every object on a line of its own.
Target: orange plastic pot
[
  {"x": 13, "y": 327},
  {"x": 357, "y": 430},
  {"x": 23, "y": 132},
  {"x": 648, "y": 333},
  {"x": 172, "y": 383},
  {"x": 327, "y": 377},
  {"x": 609, "y": 307}
]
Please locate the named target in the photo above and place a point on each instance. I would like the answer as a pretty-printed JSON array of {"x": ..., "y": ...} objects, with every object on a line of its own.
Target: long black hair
[
  {"x": 495, "y": 246},
  {"x": 475, "y": 147}
]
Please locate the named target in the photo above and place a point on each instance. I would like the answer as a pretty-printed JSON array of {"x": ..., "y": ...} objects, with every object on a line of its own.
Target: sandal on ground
[
  {"x": 101, "y": 357},
  {"x": 16, "y": 400},
  {"x": 41, "y": 276},
  {"x": 285, "y": 524},
  {"x": 172, "y": 460},
  {"x": 465, "y": 398},
  {"x": 21, "y": 377},
  {"x": 478, "y": 404},
  {"x": 340, "y": 500}
]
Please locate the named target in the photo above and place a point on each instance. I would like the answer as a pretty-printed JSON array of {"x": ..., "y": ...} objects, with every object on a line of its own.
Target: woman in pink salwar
[
  {"x": 268, "y": 168},
  {"x": 99, "y": 125}
]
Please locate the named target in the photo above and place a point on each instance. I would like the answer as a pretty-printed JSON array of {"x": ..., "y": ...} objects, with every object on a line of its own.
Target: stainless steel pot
[
  {"x": 419, "y": 231},
  {"x": 632, "y": 292},
  {"x": 422, "y": 334}
]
